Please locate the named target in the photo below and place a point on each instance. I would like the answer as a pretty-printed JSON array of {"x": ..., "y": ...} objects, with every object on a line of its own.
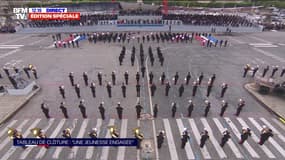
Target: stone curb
[
  {"x": 250, "y": 91},
  {"x": 16, "y": 109}
]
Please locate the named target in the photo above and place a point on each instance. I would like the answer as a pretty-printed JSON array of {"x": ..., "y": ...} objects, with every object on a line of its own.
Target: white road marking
[
  {"x": 8, "y": 126},
  {"x": 81, "y": 132},
  {"x": 59, "y": 149},
  {"x": 197, "y": 135},
  {"x": 26, "y": 133},
  {"x": 7, "y": 139},
  {"x": 123, "y": 134},
  {"x": 230, "y": 142},
  {"x": 259, "y": 39},
  {"x": 151, "y": 111},
  {"x": 237, "y": 133},
  {"x": 236, "y": 40},
  {"x": 139, "y": 124},
  {"x": 29, "y": 149},
  {"x": 42, "y": 151},
  {"x": 105, "y": 150},
  {"x": 270, "y": 55},
  {"x": 170, "y": 140},
  {"x": 188, "y": 149},
  {"x": 255, "y": 138},
  {"x": 9, "y": 53},
  {"x": 279, "y": 123},
  {"x": 281, "y": 44},
  {"x": 216, "y": 144},
  {"x": 90, "y": 149},
  {"x": 271, "y": 140},
  {"x": 265, "y": 45},
  {"x": 9, "y": 47},
  {"x": 13, "y": 40},
  {"x": 276, "y": 132}
]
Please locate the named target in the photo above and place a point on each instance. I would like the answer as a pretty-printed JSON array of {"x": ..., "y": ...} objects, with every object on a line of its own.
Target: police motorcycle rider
[
  {"x": 14, "y": 133},
  {"x": 139, "y": 136}
]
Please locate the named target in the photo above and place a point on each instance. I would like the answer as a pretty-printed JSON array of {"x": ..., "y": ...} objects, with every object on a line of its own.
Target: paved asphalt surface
[{"x": 227, "y": 63}]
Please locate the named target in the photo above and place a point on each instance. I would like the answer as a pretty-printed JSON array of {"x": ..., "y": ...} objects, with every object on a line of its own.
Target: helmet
[
  {"x": 205, "y": 129},
  {"x": 244, "y": 128},
  {"x": 190, "y": 101},
  {"x": 119, "y": 102},
  {"x": 185, "y": 129},
  {"x": 94, "y": 129},
  {"x": 264, "y": 126},
  {"x": 102, "y": 103}
]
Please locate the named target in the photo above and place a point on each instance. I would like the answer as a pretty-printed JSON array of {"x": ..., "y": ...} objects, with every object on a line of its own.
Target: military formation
[{"x": 264, "y": 72}]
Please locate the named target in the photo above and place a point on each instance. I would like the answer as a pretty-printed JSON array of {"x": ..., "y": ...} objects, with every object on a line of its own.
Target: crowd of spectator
[
  {"x": 217, "y": 20},
  {"x": 189, "y": 19},
  {"x": 140, "y": 12}
]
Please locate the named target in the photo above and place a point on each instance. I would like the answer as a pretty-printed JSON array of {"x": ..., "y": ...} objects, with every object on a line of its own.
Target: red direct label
[{"x": 54, "y": 16}]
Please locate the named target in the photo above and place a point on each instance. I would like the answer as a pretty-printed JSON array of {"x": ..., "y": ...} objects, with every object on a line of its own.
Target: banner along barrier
[
  {"x": 212, "y": 39},
  {"x": 201, "y": 40}
]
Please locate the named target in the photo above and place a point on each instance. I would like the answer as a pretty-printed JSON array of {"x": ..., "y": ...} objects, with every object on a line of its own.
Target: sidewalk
[
  {"x": 9, "y": 105},
  {"x": 275, "y": 104}
]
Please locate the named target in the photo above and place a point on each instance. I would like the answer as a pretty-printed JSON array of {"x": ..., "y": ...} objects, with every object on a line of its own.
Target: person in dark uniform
[
  {"x": 138, "y": 77},
  {"x": 26, "y": 70},
  {"x": 143, "y": 70},
  {"x": 6, "y": 70},
  {"x": 161, "y": 60},
  {"x": 85, "y": 78},
  {"x": 126, "y": 75},
  {"x": 226, "y": 43},
  {"x": 224, "y": 89},
  {"x": 45, "y": 110},
  {"x": 72, "y": 42},
  {"x": 162, "y": 78},
  {"x": 138, "y": 89},
  {"x": 102, "y": 110},
  {"x": 195, "y": 87},
  {"x": 63, "y": 109},
  {"x": 181, "y": 90},
  {"x": 167, "y": 88},
  {"x": 245, "y": 133},
  {"x": 265, "y": 70},
  {"x": 184, "y": 138},
  {"x": 77, "y": 90},
  {"x": 175, "y": 78},
  {"x": 224, "y": 107},
  {"x": 71, "y": 78},
  {"x": 119, "y": 110},
  {"x": 77, "y": 43},
  {"x": 204, "y": 138},
  {"x": 121, "y": 59},
  {"x": 151, "y": 61},
  {"x": 132, "y": 59},
  {"x": 34, "y": 71},
  {"x": 212, "y": 79},
  {"x": 100, "y": 78},
  {"x": 200, "y": 78},
  {"x": 190, "y": 108},
  {"x": 187, "y": 78},
  {"x": 16, "y": 69},
  {"x": 265, "y": 134},
  {"x": 221, "y": 43},
  {"x": 274, "y": 70},
  {"x": 155, "y": 110},
  {"x": 152, "y": 89},
  {"x": 124, "y": 89},
  {"x": 282, "y": 72},
  {"x": 138, "y": 110},
  {"x": 82, "y": 109},
  {"x": 225, "y": 138},
  {"x": 160, "y": 139},
  {"x": 209, "y": 88},
  {"x": 62, "y": 91},
  {"x": 109, "y": 89},
  {"x": 150, "y": 77},
  {"x": 207, "y": 109},
  {"x": 173, "y": 109},
  {"x": 246, "y": 69},
  {"x": 93, "y": 89},
  {"x": 113, "y": 78},
  {"x": 254, "y": 71},
  {"x": 240, "y": 106}
]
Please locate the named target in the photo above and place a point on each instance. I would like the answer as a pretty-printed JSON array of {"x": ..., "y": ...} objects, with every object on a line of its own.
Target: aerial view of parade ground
[{"x": 141, "y": 81}]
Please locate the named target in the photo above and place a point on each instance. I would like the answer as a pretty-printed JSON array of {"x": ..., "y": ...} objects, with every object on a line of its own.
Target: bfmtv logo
[{"x": 21, "y": 13}]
